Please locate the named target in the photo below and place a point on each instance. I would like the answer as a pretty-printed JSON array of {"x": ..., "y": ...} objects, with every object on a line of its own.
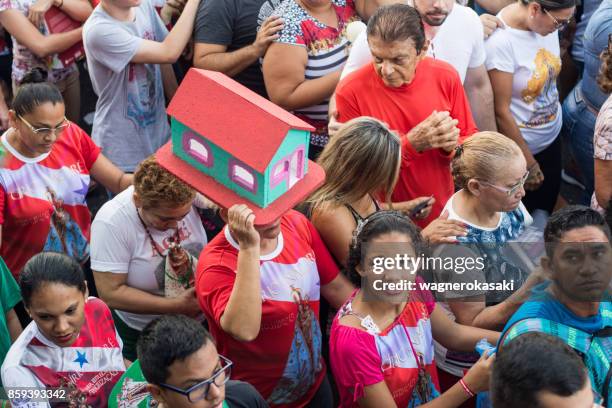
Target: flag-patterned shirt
[
  {"x": 90, "y": 367},
  {"x": 42, "y": 199},
  {"x": 284, "y": 362}
]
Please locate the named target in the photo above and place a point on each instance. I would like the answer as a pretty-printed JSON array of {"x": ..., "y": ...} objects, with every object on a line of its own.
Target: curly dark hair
[{"x": 156, "y": 186}]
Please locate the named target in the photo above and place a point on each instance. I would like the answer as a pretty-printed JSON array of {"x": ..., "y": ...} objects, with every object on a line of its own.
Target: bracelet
[
  {"x": 467, "y": 390},
  {"x": 528, "y": 169}
]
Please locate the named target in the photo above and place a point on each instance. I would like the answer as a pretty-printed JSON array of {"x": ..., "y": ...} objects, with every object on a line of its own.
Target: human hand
[
  {"x": 489, "y": 24},
  {"x": 442, "y": 230},
  {"x": 240, "y": 219},
  {"x": 535, "y": 178},
  {"x": 172, "y": 9},
  {"x": 408, "y": 207},
  {"x": 438, "y": 130},
  {"x": 477, "y": 378},
  {"x": 333, "y": 126},
  {"x": 267, "y": 34},
  {"x": 36, "y": 12},
  {"x": 187, "y": 303}
]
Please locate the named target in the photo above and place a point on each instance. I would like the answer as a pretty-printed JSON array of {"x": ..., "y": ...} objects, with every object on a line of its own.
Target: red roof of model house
[{"x": 224, "y": 118}]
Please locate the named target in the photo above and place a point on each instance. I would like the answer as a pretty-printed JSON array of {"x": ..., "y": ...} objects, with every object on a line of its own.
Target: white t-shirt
[
  {"x": 120, "y": 244},
  {"x": 459, "y": 41},
  {"x": 535, "y": 63}
]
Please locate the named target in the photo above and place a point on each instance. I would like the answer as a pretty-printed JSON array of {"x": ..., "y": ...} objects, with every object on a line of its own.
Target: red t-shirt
[
  {"x": 42, "y": 200},
  {"x": 284, "y": 362},
  {"x": 436, "y": 86}
]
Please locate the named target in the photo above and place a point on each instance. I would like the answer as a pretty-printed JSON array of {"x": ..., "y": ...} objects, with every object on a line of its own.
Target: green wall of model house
[{"x": 264, "y": 195}]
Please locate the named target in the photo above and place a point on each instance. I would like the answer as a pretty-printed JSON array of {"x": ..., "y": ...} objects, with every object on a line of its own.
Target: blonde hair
[
  {"x": 156, "y": 186},
  {"x": 362, "y": 158},
  {"x": 482, "y": 156}
]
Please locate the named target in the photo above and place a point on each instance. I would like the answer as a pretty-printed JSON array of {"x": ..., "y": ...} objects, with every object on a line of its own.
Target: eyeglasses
[
  {"x": 44, "y": 131},
  {"x": 512, "y": 190},
  {"x": 558, "y": 24},
  {"x": 200, "y": 390}
]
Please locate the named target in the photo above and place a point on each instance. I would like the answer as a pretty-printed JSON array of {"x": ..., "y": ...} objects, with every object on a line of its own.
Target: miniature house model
[{"x": 245, "y": 142}]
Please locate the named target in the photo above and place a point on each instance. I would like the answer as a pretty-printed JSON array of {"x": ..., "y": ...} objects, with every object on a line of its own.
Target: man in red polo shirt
[{"x": 419, "y": 97}]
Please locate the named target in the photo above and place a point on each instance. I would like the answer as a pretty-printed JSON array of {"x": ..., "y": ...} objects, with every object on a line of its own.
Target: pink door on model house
[{"x": 290, "y": 168}]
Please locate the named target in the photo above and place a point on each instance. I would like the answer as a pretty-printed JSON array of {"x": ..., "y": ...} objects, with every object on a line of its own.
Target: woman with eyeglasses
[
  {"x": 47, "y": 169},
  {"x": 71, "y": 342},
  {"x": 381, "y": 345},
  {"x": 490, "y": 172},
  {"x": 523, "y": 60},
  {"x": 178, "y": 366}
]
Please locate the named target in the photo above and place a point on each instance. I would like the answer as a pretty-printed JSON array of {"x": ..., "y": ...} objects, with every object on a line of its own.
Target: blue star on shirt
[
  {"x": 83, "y": 190},
  {"x": 81, "y": 359}
]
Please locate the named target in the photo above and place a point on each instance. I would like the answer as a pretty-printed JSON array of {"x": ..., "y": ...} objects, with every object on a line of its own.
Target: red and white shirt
[
  {"x": 284, "y": 362},
  {"x": 42, "y": 199},
  {"x": 94, "y": 362}
]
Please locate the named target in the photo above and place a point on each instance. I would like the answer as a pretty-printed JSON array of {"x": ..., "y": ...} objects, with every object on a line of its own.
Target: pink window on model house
[
  {"x": 197, "y": 148},
  {"x": 289, "y": 168},
  {"x": 243, "y": 175}
]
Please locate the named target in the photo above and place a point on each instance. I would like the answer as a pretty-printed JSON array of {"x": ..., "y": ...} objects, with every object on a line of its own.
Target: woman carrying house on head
[
  {"x": 381, "y": 343},
  {"x": 45, "y": 178},
  {"x": 144, "y": 247},
  {"x": 361, "y": 162},
  {"x": 71, "y": 342}
]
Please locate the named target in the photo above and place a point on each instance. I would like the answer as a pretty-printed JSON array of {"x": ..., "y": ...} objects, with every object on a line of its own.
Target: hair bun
[{"x": 34, "y": 76}]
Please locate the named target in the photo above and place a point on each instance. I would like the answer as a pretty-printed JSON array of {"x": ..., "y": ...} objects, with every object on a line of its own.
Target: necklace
[
  {"x": 183, "y": 279},
  {"x": 175, "y": 238},
  {"x": 423, "y": 389}
]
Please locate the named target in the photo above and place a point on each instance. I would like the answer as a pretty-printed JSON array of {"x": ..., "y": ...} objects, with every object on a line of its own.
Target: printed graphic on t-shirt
[
  {"x": 167, "y": 279},
  {"x": 398, "y": 350},
  {"x": 143, "y": 96},
  {"x": 65, "y": 235},
  {"x": 542, "y": 89},
  {"x": 298, "y": 283},
  {"x": 89, "y": 368},
  {"x": 304, "y": 359}
]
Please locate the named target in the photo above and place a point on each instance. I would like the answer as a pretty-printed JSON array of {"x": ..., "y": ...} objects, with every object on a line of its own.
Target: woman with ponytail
[
  {"x": 48, "y": 165},
  {"x": 490, "y": 171}
]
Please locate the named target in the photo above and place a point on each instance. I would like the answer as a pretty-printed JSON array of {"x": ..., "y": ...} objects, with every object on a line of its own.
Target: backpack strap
[
  {"x": 592, "y": 347},
  {"x": 575, "y": 338}
]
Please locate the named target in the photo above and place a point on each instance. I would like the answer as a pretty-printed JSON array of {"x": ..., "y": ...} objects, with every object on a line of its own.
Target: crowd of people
[{"x": 445, "y": 129}]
